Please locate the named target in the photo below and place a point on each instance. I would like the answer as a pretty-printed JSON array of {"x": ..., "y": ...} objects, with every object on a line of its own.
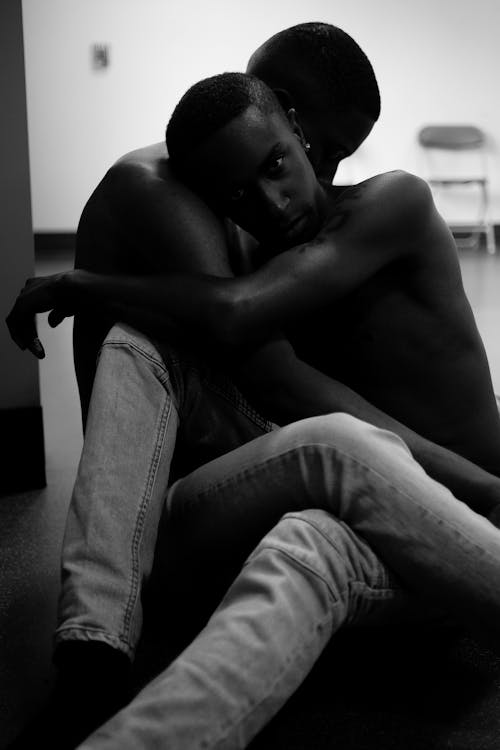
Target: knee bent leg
[{"x": 343, "y": 432}]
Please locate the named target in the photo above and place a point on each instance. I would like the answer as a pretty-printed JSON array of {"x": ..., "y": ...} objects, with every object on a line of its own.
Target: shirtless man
[
  {"x": 142, "y": 219},
  {"x": 323, "y": 396},
  {"x": 264, "y": 637}
]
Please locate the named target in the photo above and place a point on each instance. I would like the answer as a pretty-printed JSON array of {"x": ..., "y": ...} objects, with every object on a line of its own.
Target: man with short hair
[
  {"x": 322, "y": 73},
  {"x": 393, "y": 211},
  {"x": 314, "y": 212},
  {"x": 141, "y": 219},
  {"x": 309, "y": 575}
]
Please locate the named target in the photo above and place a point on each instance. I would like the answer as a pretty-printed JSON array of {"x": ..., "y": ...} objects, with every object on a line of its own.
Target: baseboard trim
[
  {"x": 54, "y": 241},
  {"x": 23, "y": 451}
]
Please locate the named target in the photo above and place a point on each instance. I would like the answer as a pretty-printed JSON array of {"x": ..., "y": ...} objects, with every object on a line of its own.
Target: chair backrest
[{"x": 452, "y": 137}]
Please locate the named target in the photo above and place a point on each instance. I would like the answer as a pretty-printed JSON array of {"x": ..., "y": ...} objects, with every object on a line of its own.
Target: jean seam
[
  {"x": 307, "y": 566},
  {"x": 141, "y": 516},
  {"x": 253, "y": 707},
  {"x": 337, "y": 451},
  {"x": 239, "y": 402},
  {"x": 383, "y": 582},
  {"x": 158, "y": 361}
]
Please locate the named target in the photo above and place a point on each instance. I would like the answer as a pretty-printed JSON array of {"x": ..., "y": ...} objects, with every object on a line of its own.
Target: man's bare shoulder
[
  {"x": 384, "y": 207},
  {"x": 144, "y": 181},
  {"x": 398, "y": 185},
  {"x": 143, "y": 165}
]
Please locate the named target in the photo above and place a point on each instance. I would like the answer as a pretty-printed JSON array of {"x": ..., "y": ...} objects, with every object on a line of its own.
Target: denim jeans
[
  {"x": 320, "y": 573},
  {"x": 146, "y": 402},
  {"x": 309, "y": 575}
]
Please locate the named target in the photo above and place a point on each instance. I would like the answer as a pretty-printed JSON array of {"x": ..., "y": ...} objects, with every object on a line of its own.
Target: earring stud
[{"x": 307, "y": 146}]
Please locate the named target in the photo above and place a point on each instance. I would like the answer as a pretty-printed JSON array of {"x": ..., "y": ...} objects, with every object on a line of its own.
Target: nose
[{"x": 274, "y": 198}]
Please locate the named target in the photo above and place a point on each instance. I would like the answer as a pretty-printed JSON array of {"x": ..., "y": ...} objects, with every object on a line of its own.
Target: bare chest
[
  {"x": 378, "y": 333},
  {"x": 418, "y": 358}
]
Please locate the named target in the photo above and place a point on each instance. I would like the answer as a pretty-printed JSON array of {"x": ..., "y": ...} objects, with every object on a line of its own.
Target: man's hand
[{"x": 39, "y": 295}]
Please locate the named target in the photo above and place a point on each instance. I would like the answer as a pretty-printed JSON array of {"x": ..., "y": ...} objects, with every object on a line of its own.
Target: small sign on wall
[{"x": 100, "y": 56}]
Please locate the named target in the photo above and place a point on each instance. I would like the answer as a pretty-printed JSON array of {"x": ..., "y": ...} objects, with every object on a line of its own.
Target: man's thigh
[{"x": 214, "y": 416}]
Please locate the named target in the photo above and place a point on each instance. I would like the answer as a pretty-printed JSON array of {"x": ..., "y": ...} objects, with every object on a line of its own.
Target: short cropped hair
[
  {"x": 209, "y": 105},
  {"x": 321, "y": 66}
]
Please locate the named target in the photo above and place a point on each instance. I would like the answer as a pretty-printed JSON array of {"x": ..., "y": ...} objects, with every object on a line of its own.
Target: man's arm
[
  {"x": 287, "y": 389},
  {"x": 241, "y": 311}
]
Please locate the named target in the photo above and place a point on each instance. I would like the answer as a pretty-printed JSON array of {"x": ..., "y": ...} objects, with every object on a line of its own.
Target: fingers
[
  {"x": 24, "y": 334},
  {"x": 56, "y": 317},
  {"x": 38, "y": 295},
  {"x": 22, "y": 329},
  {"x": 36, "y": 348}
]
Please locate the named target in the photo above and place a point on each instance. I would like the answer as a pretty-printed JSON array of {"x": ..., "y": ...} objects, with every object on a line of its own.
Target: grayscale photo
[{"x": 250, "y": 382}]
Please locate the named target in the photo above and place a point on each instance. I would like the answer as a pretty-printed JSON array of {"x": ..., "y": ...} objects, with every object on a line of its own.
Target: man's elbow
[
  {"x": 223, "y": 320},
  {"x": 232, "y": 322}
]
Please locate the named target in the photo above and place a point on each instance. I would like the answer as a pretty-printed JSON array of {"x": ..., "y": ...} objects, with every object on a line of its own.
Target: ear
[
  {"x": 297, "y": 128},
  {"x": 284, "y": 98}
]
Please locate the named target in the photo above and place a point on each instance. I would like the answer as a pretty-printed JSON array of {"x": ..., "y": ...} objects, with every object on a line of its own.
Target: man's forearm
[{"x": 200, "y": 303}]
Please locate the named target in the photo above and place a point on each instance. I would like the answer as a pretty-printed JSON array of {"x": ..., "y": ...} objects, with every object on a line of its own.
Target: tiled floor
[{"x": 31, "y": 525}]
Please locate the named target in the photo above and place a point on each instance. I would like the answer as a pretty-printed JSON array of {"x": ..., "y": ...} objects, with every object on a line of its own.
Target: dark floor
[{"x": 379, "y": 690}]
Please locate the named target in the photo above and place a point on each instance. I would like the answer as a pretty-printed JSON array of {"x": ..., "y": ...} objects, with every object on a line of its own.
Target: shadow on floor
[{"x": 394, "y": 690}]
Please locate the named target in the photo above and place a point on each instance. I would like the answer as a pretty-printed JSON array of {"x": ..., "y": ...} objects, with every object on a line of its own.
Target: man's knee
[
  {"x": 123, "y": 334},
  {"x": 312, "y": 542},
  {"x": 310, "y": 535},
  {"x": 343, "y": 433},
  {"x": 324, "y": 548}
]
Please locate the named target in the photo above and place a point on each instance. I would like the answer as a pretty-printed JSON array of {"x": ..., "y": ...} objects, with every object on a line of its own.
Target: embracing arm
[
  {"x": 241, "y": 311},
  {"x": 246, "y": 308},
  {"x": 287, "y": 389}
]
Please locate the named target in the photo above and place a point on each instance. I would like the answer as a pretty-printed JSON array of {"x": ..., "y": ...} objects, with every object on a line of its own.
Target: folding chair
[{"x": 460, "y": 138}]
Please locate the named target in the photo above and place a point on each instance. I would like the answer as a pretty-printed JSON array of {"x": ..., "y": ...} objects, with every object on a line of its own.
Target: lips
[{"x": 292, "y": 232}]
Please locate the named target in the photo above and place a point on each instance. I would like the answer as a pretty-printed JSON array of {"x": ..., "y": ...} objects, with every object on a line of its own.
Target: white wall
[{"x": 436, "y": 60}]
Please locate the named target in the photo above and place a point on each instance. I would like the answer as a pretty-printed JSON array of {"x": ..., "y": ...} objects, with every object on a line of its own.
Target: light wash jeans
[
  {"x": 310, "y": 574},
  {"x": 144, "y": 404}
]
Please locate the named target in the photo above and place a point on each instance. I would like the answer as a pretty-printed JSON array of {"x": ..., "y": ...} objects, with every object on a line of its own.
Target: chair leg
[{"x": 490, "y": 239}]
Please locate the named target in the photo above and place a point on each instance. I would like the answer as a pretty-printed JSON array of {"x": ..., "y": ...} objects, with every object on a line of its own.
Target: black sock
[{"x": 93, "y": 682}]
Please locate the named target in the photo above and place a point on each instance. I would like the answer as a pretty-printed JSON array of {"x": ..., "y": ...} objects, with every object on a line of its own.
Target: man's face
[
  {"x": 333, "y": 134},
  {"x": 255, "y": 171},
  {"x": 333, "y": 137}
]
